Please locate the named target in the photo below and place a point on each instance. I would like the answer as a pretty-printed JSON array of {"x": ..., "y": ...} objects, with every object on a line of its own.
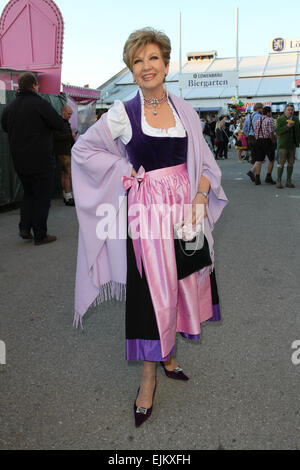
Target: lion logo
[{"x": 278, "y": 45}]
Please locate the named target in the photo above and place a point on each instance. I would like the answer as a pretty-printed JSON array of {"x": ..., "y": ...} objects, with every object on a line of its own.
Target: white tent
[{"x": 268, "y": 79}]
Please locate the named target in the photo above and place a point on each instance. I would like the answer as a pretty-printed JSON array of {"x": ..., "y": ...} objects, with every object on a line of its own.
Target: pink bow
[{"x": 129, "y": 181}]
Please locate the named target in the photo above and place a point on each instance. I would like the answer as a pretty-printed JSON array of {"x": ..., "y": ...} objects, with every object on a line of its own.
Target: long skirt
[{"x": 157, "y": 304}]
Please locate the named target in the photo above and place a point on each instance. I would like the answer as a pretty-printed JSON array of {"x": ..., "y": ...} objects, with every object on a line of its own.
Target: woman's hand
[{"x": 198, "y": 210}]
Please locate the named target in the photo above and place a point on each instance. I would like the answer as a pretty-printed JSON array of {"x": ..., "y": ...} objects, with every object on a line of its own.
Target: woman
[
  {"x": 207, "y": 135},
  {"x": 152, "y": 147},
  {"x": 221, "y": 139},
  {"x": 241, "y": 141}
]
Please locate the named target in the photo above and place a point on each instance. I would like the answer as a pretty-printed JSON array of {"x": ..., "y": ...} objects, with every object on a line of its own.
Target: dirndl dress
[{"x": 157, "y": 304}]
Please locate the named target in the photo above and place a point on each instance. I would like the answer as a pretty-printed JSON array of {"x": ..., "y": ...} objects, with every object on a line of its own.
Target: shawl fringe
[{"x": 109, "y": 291}]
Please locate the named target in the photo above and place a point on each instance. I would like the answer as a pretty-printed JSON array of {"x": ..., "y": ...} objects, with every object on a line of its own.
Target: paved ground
[{"x": 66, "y": 389}]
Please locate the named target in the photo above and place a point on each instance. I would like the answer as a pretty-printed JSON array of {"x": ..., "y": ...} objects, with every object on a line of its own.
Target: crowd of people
[
  {"x": 257, "y": 136},
  {"x": 217, "y": 133}
]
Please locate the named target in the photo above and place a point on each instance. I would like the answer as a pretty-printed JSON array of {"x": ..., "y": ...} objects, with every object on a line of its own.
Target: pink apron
[{"x": 156, "y": 202}]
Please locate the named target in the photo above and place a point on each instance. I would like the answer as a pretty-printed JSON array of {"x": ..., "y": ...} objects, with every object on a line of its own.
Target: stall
[{"x": 31, "y": 39}]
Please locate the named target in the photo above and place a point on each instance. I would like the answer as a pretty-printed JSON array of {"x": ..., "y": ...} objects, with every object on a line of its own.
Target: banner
[{"x": 208, "y": 80}]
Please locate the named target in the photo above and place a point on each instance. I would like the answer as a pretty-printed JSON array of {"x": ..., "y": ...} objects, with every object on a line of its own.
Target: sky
[{"x": 96, "y": 30}]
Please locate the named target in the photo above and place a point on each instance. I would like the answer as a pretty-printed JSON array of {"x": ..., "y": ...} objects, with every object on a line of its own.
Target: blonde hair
[
  {"x": 258, "y": 106},
  {"x": 142, "y": 37},
  {"x": 218, "y": 124}
]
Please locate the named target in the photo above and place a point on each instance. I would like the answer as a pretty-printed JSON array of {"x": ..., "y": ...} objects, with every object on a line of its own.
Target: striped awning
[{"x": 279, "y": 108}]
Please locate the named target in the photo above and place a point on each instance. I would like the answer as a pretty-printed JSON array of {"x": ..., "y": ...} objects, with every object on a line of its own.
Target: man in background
[
  {"x": 265, "y": 144},
  {"x": 287, "y": 128},
  {"x": 248, "y": 130},
  {"x": 63, "y": 143},
  {"x": 30, "y": 121}
]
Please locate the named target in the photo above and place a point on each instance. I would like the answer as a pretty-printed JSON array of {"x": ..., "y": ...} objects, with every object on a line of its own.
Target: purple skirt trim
[
  {"x": 150, "y": 350},
  {"x": 145, "y": 350},
  {"x": 193, "y": 337},
  {"x": 216, "y": 313}
]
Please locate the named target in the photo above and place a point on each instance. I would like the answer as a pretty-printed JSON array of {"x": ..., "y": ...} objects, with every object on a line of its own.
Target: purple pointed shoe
[
  {"x": 176, "y": 373},
  {"x": 142, "y": 414}
]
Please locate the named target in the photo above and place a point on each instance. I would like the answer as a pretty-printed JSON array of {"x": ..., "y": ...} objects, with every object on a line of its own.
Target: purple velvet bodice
[{"x": 152, "y": 152}]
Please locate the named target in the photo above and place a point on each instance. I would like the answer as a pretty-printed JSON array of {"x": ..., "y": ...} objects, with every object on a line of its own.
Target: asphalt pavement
[{"x": 63, "y": 388}]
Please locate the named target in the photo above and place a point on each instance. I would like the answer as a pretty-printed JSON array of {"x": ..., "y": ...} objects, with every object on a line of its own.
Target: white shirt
[
  {"x": 120, "y": 126},
  {"x": 238, "y": 128}
]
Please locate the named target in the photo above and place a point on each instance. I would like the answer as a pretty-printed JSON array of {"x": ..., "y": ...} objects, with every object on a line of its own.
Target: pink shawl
[{"x": 98, "y": 164}]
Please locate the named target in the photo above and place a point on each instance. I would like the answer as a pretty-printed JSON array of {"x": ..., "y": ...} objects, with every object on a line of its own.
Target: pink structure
[
  {"x": 79, "y": 96},
  {"x": 82, "y": 95},
  {"x": 74, "y": 118},
  {"x": 31, "y": 38}
]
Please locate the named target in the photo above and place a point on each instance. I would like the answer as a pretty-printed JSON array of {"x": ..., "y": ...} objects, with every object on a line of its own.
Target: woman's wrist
[
  {"x": 203, "y": 193},
  {"x": 203, "y": 187},
  {"x": 200, "y": 198}
]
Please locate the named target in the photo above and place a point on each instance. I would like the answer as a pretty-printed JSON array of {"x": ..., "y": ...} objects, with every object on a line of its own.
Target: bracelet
[{"x": 203, "y": 193}]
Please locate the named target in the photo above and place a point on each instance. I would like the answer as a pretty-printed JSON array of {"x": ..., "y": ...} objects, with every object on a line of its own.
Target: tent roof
[{"x": 270, "y": 75}]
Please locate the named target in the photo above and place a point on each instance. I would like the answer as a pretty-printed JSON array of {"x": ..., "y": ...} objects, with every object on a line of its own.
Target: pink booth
[{"x": 31, "y": 38}]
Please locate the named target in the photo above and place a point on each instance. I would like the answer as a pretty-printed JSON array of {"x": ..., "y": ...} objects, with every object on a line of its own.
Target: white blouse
[{"x": 120, "y": 127}]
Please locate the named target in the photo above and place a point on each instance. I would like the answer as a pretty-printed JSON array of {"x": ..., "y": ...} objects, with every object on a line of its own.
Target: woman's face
[{"x": 149, "y": 69}]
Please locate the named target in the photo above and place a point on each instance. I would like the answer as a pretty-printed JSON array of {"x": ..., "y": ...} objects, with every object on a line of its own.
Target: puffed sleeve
[{"x": 118, "y": 122}]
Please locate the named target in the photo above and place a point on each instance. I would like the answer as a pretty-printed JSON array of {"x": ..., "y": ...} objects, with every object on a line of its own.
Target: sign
[
  {"x": 208, "y": 80},
  {"x": 284, "y": 45},
  {"x": 2, "y": 353},
  {"x": 252, "y": 103}
]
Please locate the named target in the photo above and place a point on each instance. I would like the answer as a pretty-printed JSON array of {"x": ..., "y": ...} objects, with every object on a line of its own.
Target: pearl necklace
[{"x": 155, "y": 103}]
